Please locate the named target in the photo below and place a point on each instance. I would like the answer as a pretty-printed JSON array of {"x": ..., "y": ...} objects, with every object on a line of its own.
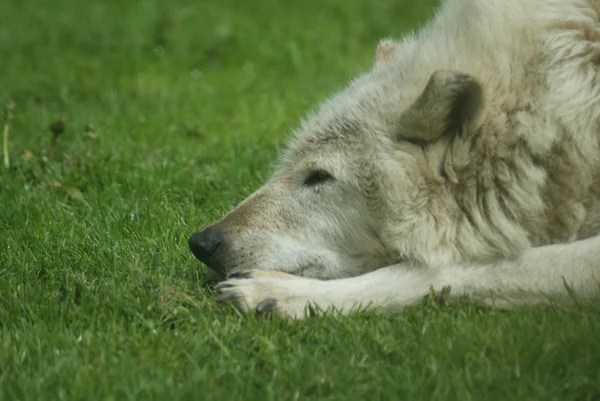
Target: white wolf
[{"x": 467, "y": 156}]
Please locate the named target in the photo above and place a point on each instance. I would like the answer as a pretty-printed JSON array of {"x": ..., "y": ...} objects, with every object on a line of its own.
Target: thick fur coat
[{"x": 468, "y": 155}]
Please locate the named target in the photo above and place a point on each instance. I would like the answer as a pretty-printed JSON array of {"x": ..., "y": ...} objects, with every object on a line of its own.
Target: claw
[
  {"x": 223, "y": 285},
  {"x": 264, "y": 308},
  {"x": 228, "y": 296},
  {"x": 240, "y": 275}
]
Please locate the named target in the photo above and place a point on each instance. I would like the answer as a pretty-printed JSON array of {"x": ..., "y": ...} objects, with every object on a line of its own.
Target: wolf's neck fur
[{"x": 534, "y": 175}]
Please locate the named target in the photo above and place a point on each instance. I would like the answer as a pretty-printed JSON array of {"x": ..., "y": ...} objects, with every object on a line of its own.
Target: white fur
[
  {"x": 544, "y": 274},
  {"x": 486, "y": 197}
]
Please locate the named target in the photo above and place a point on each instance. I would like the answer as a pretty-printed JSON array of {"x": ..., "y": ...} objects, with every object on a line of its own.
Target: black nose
[{"x": 204, "y": 243}]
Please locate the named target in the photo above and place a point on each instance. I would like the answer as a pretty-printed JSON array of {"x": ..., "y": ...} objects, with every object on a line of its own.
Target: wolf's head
[{"x": 369, "y": 180}]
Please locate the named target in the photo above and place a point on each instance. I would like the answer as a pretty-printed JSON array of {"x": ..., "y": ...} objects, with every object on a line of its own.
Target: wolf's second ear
[
  {"x": 451, "y": 103},
  {"x": 384, "y": 52}
]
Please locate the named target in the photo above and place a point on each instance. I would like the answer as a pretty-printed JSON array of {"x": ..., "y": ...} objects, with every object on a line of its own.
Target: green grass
[{"x": 100, "y": 297}]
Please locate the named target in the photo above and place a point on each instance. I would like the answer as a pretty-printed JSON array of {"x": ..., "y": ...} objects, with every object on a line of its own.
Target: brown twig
[{"x": 7, "y": 117}]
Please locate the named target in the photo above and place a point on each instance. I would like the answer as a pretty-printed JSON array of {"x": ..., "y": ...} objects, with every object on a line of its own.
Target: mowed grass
[{"x": 190, "y": 100}]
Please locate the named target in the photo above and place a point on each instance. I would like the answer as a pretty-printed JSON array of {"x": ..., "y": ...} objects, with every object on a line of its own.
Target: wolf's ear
[
  {"x": 384, "y": 52},
  {"x": 451, "y": 103}
]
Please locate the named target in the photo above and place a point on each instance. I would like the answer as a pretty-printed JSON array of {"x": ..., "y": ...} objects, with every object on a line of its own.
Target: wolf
[{"x": 466, "y": 158}]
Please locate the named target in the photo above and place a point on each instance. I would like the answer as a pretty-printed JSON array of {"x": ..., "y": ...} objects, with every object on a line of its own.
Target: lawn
[{"x": 174, "y": 112}]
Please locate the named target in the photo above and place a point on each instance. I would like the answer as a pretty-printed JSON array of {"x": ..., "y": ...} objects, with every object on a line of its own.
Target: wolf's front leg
[
  {"x": 388, "y": 290},
  {"x": 538, "y": 275}
]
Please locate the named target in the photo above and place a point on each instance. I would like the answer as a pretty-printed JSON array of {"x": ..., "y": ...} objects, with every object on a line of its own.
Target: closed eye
[{"x": 317, "y": 177}]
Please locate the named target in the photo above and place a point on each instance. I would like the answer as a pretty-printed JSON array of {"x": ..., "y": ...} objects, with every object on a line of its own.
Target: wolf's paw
[{"x": 269, "y": 293}]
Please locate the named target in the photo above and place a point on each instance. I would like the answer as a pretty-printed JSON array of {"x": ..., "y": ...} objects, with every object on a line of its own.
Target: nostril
[{"x": 204, "y": 243}]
